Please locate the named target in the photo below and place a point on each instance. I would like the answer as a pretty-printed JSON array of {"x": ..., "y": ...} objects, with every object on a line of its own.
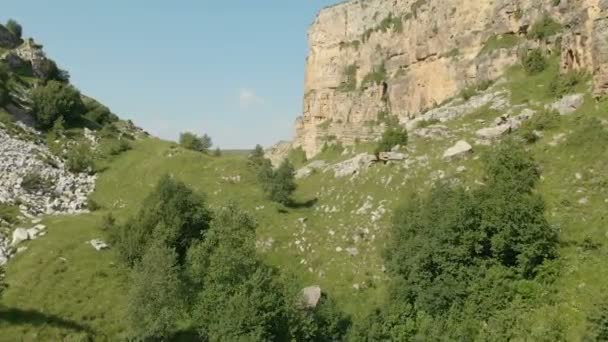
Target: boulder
[
  {"x": 353, "y": 166},
  {"x": 311, "y": 296},
  {"x": 569, "y": 104},
  {"x": 310, "y": 168},
  {"x": 494, "y": 132},
  {"x": 99, "y": 244},
  {"x": 19, "y": 235},
  {"x": 460, "y": 148},
  {"x": 394, "y": 156}
]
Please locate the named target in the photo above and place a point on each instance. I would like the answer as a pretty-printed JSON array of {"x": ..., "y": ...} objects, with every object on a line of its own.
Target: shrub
[
  {"x": 79, "y": 159},
  {"x": 394, "y": 135},
  {"x": 100, "y": 114},
  {"x": 457, "y": 257},
  {"x": 108, "y": 222},
  {"x": 427, "y": 123},
  {"x": 217, "y": 152},
  {"x": 278, "y": 184},
  {"x": 565, "y": 84},
  {"x": 375, "y": 77},
  {"x": 534, "y": 62},
  {"x": 118, "y": 146},
  {"x": 193, "y": 142},
  {"x": 54, "y": 100},
  {"x": 155, "y": 298},
  {"x": 598, "y": 323},
  {"x": 172, "y": 213},
  {"x": 257, "y": 158},
  {"x": 544, "y": 28},
  {"x": 15, "y": 28},
  {"x": 3, "y": 285},
  {"x": 34, "y": 182},
  {"x": 92, "y": 205},
  {"x": 349, "y": 76}
]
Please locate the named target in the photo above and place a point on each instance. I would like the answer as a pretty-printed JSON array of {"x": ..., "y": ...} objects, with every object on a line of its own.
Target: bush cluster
[
  {"x": 54, "y": 100},
  {"x": 458, "y": 257},
  {"x": 393, "y": 135},
  {"x": 194, "y": 142},
  {"x": 198, "y": 270},
  {"x": 534, "y": 62}
]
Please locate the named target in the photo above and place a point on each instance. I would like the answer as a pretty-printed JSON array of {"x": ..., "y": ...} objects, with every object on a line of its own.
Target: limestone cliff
[{"x": 372, "y": 58}]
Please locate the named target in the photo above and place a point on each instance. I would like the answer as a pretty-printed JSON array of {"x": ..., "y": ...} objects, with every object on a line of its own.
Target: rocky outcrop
[
  {"x": 369, "y": 58},
  {"x": 52, "y": 188}
]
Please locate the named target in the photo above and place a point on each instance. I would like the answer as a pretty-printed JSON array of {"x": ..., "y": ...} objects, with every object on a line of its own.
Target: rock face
[
  {"x": 59, "y": 190},
  {"x": 569, "y": 104},
  {"x": 372, "y": 57}
]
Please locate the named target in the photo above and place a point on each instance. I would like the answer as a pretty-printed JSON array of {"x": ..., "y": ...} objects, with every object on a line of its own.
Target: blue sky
[{"x": 231, "y": 68}]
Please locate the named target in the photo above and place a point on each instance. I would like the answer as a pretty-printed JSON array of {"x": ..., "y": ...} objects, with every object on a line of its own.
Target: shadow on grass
[
  {"x": 300, "y": 205},
  {"x": 185, "y": 336},
  {"x": 32, "y": 317}
]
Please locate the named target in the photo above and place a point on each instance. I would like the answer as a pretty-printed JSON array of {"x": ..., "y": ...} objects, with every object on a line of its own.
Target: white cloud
[{"x": 248, "y": 98}]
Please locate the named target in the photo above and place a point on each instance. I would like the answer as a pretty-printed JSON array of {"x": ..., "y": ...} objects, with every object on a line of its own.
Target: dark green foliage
[
  {"x": 544, "y": 120},
  {"x": 565, "y": 84},
  {"x": 99, "y": 113},
  {"x": 323, "y": 323},
  {"x": 14, "y": 27},
  {"x": 460, "y": 257},
  {"x": 193, "y": 142},
  {"x": 240, "y": 298},
  {"x": 391, "y": 23},
  {"x": 47, "y": 70},
  {"x": 427, "y": 123},
  {"x": 34, "y": 182},
  {"x": 256, "y": 158},
  {"x": 54, "y": 100},
  {"x": 108, "y": 222},
  {"x": 117, "y": 147},
  {"x": 3, "y": 285},
  {"x": 4, "y": 77},
  {"x": 375, "y": 77},
  {"x": 278, "y": 184},
  {"x": 9, "y": 213},
  {"x": 92, "y": 205},
  {"x": 598, "y": 324},
  {"x": 544, "y": 28},
  {"x": 217, "y": 152},
  {"x": 79, "y": 159},
  {"x": 349, "y": 82},
  {"x": 155, "y": 299},
  {"x": 172, "y": 213},
  {"x": 534, "y": 62},
  {"x": 393, "y": 135},
  {"x": 58, "y": 129}
]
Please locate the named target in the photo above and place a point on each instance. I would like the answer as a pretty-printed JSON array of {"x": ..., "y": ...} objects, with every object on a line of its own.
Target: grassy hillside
[{"x": 62, "y": 289}]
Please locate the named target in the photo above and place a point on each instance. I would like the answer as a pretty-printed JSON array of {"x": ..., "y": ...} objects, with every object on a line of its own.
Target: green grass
[
  {"x": 50, "y": 298},
  {"x": 497, "y": 42},
  {"x": 526, "y": 88}
]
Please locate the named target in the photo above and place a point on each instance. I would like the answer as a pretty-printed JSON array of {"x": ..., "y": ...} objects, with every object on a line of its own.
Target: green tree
[
  {"x": 239, "y": 298},
  {"x": 257, "y": 157},
  {"x": 155, "y": 299},
  {"x": 54, "y": 100},
  {"x": 193, "y": 142},
  {"x": 79, "y": 159},
  {"x": 278, "y": 184},
  {"x": 534, "y": 62},
  {"x": 393, "y": 135},
  {"x": 217, "y": 152},
  {"x": 457, "y": 256},
  {"x": 172, "y": 213},
  {"x": 15, "y": 28}
]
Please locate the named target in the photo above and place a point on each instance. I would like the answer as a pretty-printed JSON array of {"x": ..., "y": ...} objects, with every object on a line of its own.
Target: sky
[{"x": 233, "y": 69}]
